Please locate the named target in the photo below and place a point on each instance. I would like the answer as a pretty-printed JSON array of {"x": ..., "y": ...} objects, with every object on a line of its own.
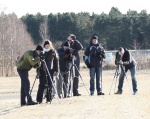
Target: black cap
[
  {"x": 95, "y": 37},
  {"x": 65, "y": 44},
  {"x": 39, "y": 48}
]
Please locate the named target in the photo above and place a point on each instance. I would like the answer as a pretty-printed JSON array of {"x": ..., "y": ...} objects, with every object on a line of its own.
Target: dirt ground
[{"x": 125, "y": 106}]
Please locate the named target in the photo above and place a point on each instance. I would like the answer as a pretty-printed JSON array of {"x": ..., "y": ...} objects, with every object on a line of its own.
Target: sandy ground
[{"x": 125, "y": 106}]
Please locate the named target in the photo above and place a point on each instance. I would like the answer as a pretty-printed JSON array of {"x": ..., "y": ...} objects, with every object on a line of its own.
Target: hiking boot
[
  {"x": 100, "y": 93},
  {"x": 24, "y": 104},
  {"x": 78, "y": 94},
  {"x": 119, "y": 92},
  {"x": 32, "y": 103}
]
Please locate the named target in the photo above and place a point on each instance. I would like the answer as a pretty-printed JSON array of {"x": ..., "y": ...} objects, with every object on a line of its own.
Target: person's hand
[{"x": 121, "y": 62}]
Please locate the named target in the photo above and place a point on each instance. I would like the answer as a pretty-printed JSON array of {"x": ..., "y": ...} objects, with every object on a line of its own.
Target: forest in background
[{"x": 130, "y": 30}]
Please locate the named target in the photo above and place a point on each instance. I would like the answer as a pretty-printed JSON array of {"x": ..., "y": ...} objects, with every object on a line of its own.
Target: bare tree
[
  {"x": 14, "y": 41},
  {"x": 44, "y": 32}
]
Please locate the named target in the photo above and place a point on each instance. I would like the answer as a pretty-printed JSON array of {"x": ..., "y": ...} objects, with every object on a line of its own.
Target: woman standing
[{"x": 51, "y": 59}]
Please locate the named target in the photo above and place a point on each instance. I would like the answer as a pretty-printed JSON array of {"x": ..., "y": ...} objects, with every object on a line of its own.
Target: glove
[{"x": 87, "y": 64}]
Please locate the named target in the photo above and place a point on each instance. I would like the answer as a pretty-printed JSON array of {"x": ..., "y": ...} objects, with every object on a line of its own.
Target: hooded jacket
[
  {"x": 28, "y": 60},
  {"x": 51, "y": 60}
]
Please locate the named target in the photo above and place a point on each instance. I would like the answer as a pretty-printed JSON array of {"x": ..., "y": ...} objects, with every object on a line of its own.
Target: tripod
[
  {"x": 45, "y": 65},
  {"x": 72, "y": 73},
  {"x": 117, "y": 73}
]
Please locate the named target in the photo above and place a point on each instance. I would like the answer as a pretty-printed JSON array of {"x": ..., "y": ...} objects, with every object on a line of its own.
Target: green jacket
[{"x": 28, "y": 60}]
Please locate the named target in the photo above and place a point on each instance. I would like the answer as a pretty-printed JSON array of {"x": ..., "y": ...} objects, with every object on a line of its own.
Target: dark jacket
[
  {"x": 28, "y": 60},
  {"x": 127, "y": 58},
  {"x": 51, "y": 60},
  {"x": 64, "y": 63},
  {"x": 92, "y": 55},
  {"x": 76, "y": 45}
]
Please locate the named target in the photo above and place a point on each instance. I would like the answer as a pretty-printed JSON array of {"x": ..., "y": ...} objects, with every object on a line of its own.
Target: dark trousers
[
  {"x": 25, "y": 86},
  {"x": 44, "y": 82}
]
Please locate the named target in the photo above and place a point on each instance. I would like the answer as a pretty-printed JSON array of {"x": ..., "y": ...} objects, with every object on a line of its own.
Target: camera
[
  {"x": 101, "y": 52},
  {"x": 42, "y": 56},
  {"x": 69, "y": 53}
]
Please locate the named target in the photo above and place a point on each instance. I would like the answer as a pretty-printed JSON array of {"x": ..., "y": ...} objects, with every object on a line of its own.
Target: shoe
[
  {"x": 48, "y": 102},
  {"x": 91, "y": 93},
  {"x": 32, "y": 103},
  {"x": 135, "y": 93},
  {"x": 39, "y": 102},
  {"x": 66, "y": 96},
  {"x": 77, "y": 94},
  {"x": 119, "y": 92},
  {"x": 100, "y": 93},
  {"x": 23, "y": 104},
  {"x": 59, "y": 96}
]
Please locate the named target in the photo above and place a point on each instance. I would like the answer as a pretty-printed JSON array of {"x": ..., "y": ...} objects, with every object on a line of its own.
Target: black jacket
[
  {"x": 127, "y": 58},
  {"x": 92, "y": 55},
  {"x": 51, "y": 60},
  {"x": 64, "y": 63},
  {"x": 76, "y": 45}
]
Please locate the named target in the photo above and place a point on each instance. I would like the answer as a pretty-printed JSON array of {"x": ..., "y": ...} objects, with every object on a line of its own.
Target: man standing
[
  {"x": 27, "y": 61},
  {"x": 126, "y": 61},
  {"x": 94, "y": 55},
  {"x": 76, "y": 46},
  {"x": 65, "y": 64}
]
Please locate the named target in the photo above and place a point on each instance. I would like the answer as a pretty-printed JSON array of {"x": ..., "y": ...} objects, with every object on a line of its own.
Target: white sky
[{"x": 21, "y": 7}]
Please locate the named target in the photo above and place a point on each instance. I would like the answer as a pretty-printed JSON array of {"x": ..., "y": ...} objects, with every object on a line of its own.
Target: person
[
  {"x": 27, "y": 61},
  {"x": 65, "y": 65},
  {"x": 51, "y": 59},
  {"x": 76, "y": 46},
  {"x": 93, "y": 57},
  {"x": 126, "y": 60}
]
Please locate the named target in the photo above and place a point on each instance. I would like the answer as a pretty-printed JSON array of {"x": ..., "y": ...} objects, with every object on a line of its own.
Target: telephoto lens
[{"x": 42, "y": 56}]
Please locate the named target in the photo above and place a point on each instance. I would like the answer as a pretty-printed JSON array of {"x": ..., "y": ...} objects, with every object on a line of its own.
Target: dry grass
[{"x": 125, "y": 106}]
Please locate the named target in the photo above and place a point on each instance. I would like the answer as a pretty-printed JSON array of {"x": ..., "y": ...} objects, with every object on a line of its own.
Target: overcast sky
[{"x": 21, "y": 7}]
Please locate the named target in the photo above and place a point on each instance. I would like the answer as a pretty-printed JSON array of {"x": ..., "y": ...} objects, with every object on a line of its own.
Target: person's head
[
  {"x": 48, "y": 45},
  {"x": 39, "y": 49},
  {"x": 121, "y": 51},
  {"x": 65, "y": 46},
  {"x": 71, "y": 37},
  {"x": 95, "y": 40}
]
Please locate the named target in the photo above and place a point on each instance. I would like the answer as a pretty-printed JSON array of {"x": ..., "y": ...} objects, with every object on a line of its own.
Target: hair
[
  {"x": 51, "y": 47},
  {"x": 72, "y": 36},
  {"x": 48, "y": 42}
]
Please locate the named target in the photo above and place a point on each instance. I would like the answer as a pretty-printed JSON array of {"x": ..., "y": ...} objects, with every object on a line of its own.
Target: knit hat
[
  {"x": 95, "y": 37},
  {"x": 39, "y": 48}
]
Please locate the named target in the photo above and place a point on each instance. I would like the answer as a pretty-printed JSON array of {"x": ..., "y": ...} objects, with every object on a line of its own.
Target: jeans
[
  {"x": 133, "y": 76},
  {"x": 98, "y": 72},
  {"x": 25, "y": 86},
  {"x": 63, "y": 81}
]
